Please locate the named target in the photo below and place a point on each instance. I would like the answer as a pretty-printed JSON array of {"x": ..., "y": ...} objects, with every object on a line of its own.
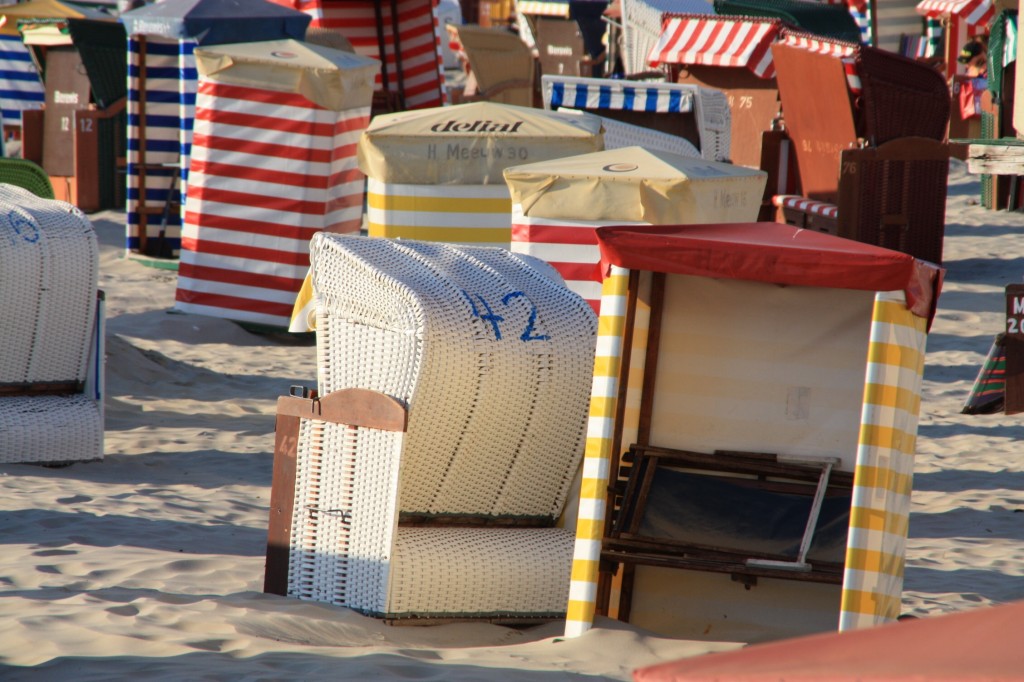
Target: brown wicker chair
[{"x": 871, "y": 161}]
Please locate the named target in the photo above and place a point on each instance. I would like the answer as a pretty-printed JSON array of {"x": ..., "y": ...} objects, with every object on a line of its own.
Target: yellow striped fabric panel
[
  {"x": 597, "y": 456},
  {"x": 876, "y": 547},
  {"x": 471, "y": 215}
]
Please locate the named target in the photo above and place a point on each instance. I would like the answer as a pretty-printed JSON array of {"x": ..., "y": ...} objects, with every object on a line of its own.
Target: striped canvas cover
[
  {"x": 21, "y": 88},
  {"x": 597, "y": 454},
  {"x": 269, "y": 170},
  {"x": 568, "y": 245},
  {"x": 882, "y": 469},
  {"x": 709, "y": 107},
  {"x": 971, "y": 11},
  {"x": 876, "y": 545},
  {"x": 601, "y": 93},
  {"x": 170, "y": 78},
  {"x": 717, "y": 41},
  {"x": 472, "y": 215},
  {"x": 806, "y": 205},
  {"x": 419, "y": 33}
]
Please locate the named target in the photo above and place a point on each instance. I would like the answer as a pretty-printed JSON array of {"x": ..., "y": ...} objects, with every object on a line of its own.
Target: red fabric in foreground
[
  {"x": 982, "y": 645},
  {"x": 772, "y": 252}
]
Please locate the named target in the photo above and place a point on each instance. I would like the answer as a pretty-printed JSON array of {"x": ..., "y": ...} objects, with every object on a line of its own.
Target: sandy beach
[{"x": 149, "y": 564}]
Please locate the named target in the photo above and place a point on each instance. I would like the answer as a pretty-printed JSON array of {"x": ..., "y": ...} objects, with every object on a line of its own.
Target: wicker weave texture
[
  {"x": 480, "y": 572},
  {"x": 912, "y": 190},
  {"x": 49, "y": 262},
  {"x": 344, "y": 520},
  {"x": 50, "y": 429},
  {"x": 618, "y": 134},
  {"x": 489, "y": 350},
  {"x": 902, "y": 97}
]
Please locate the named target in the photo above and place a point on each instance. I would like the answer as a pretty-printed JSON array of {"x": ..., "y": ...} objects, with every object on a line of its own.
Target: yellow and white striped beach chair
[{"x": 756, "y": 338}]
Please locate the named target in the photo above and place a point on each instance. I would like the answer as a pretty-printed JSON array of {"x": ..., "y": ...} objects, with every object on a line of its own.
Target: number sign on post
[{"x": 1014, "y": 348}]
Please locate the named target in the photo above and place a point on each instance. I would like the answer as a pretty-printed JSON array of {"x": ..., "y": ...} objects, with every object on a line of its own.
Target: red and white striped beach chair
[
  {"x": 272, "y": 164},
  {"x": 404, "y": 35}
]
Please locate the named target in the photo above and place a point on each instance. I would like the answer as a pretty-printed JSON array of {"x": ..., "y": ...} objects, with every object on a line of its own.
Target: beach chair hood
[
  {"x": 470, "y": 144},
  {"x": 635, "y": 184},
  {"x": 327, "y": 77}
]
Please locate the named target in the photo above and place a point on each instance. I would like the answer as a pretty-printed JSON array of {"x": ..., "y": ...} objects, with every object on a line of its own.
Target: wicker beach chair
[
  {"x": 449, "y": 507},
  {"x": 51, "y": 360},
  {"x": 867, "y": 130}
]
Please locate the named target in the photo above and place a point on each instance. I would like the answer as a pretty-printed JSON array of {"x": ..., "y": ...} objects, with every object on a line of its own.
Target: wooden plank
[
  {"x": 282, "y": 503},
  {"x": 354, "y": 406},
  {"x": 1014, "y": 348},
  {"x": 996, "y": 158}
]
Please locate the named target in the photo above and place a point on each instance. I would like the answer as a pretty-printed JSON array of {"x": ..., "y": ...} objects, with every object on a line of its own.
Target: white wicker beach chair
[
  {"x": 51, "y": 354},
  {"x": 457, "y": 515}
]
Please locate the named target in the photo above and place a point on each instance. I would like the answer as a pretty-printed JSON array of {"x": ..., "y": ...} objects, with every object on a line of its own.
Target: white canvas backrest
[
  {"x": 489, "y": 350},
  {"x": 755, "y": 367}
]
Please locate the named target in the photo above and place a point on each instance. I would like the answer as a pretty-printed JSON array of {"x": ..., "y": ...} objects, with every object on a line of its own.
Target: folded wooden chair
[
  {"x": 499, "y": 64},
  {"x": 51, "y": 339},
  {"x": 450, "y": 505}
]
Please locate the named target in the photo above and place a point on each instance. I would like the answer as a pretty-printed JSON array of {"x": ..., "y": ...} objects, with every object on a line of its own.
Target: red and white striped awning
[
  {"x": 717, "y": 41},
  {"x": 972, "y": 11}
]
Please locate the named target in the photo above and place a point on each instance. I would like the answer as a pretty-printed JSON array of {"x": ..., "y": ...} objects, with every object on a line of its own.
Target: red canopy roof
[
  {"x": 982, "y": 645},
  {"x": 775, "y": 253}
]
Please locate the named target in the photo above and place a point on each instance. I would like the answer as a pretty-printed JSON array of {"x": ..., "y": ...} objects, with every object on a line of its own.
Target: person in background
[
  {"x": 974, "y": 57},
  {"x": 588, "y": 15}
]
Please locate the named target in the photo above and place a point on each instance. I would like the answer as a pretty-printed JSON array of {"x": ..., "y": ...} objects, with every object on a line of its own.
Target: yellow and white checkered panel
[
  {"x": 601, "y": 426},
  {"x": 876, "y": 546},
  {"x": 471, "y": 215},
  {"x": 597, "y": 456}
]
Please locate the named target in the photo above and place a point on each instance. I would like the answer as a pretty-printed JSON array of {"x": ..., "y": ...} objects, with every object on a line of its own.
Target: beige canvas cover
[
  {"x": 325, "y": 76},
  {"x": 637, "y": 185},
  {"x": 470, "y": 144}
]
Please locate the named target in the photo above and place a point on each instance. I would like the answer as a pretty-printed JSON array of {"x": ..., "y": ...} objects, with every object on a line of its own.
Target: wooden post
[{"x": 1014, "y": 348}]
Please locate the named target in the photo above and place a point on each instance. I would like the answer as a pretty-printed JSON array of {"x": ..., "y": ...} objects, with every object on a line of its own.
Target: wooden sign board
[
  {"x": 67, "y": 91},
  {"x": 1014, "y": 348}
]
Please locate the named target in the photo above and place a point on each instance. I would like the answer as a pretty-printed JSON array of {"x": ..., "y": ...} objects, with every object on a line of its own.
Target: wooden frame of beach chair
[
  {"x": 710, "y": 360},
  {"x": 499, "y": 65},
  {"x": 866, "y": 128},
  {"x": 51, "y": 368},
  {"x": 485, "y": 357}
]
